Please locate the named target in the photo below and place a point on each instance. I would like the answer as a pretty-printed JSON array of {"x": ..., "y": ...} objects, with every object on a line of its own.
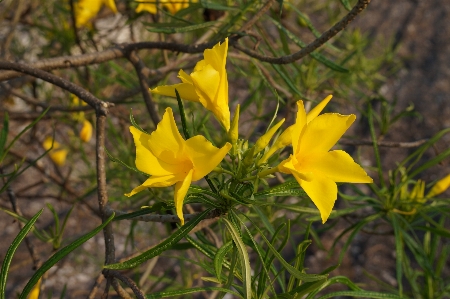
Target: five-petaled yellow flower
[
  {"x": 207, "y": 84},
  {"x": 314, "y": 166},
  {"x": 171, "y": 160},
  {"x": 85, "y": 10},
  {"x": 172, "y": 6}
]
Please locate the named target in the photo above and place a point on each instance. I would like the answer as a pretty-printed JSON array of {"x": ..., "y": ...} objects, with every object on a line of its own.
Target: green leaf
[
  {"x": 124, "y": 164},
  {"x": 12, "y": 249},
  {"x": 161, "y": 247},
  {"x": 346, "y": 5},
  {"x": 360, "y": 294},
  {"x": 243, "y": 254},
  {"x": 180, "y": 27},
  {"x": 190, "y": 291},
  {"x": 60, "y": 255},
  {"x": 219, "y": 258},
  {"x": 285, "y": 189},
  {"x": 23, "y": 132},
  {"x": 183, "y": 116},
  {"x": 4, "y": 134},
  {"x": 286, "y": 265},
  {"x": 133, "y": 122},
  {"x": 317, "y": 56}
]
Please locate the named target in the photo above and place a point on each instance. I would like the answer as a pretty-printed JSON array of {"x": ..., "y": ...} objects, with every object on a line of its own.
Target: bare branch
[
  {"x": 129, "y": 282},
  {"x": 140, "y": 68},
  {"x": 327, "y": 35},
  {"x": 99, "y": 106}
]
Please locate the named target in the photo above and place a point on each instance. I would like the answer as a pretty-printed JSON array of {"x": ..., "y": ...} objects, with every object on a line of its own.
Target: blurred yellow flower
[
  {"x": 58, "y": 154},
  {"x": 314, "y": 166},
  {"x": 85, "y": 10},
  {"x": 440, "y": 187},
  {"x": 86, "y": 131},
  {"x": 172, "y": 6},
  {"x": 171, "y": 160},
  {"x": 207, "y": 84}
]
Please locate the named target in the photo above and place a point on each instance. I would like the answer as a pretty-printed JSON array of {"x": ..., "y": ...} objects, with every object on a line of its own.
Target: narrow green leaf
[
  {"x": 346, "y": 4},
  {"x": 219, "y": 258},
  {"x": 317, "y": 56},
  {"x": 181, "y": 28},
  {"x": 360, "y": 294},
  {"x": 134, "y": 123},
  {"x": 161, "y": 247},
  {"x": 59, "y": 255},
  {"x": 116, "y": 160},
  {"x": 243, "y": 254},
  {"x": 285, "y": 189},
  {"x": 4, "y": 134},
  {"x": 12, "y": 249},
  {"x": 23, "y": 132},
  {"x": 287, "y": 266},
  {"x": 190, "y": 291},
  {"x": 183, "y": 116}
]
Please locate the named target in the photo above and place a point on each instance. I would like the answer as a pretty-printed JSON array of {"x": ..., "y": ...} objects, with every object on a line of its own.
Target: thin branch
[
  {"x": 120, "y": 291},
  {"x": 140, "y": 68},
  {"x": 128, "y": 281},
  {"x": 165, "y": 218},
  {"x": 101, "y": 188},
  {"x": 12, "y": 198},
  {"x": 119, "y": 51},
  {"x": 383, "y": 143},
  {"x": 257, "y": 16},
  {"x": 326, "y": 36},
  {"x": 99, "y": 106}
]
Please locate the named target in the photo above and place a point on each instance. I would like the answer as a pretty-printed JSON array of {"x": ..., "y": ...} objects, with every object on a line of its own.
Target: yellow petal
[
  {"x": 34, "y": 294},
  {"x": 322, "y": 133},
  {"x": 157, "y": 181},
  {"x": 111, "y": 4},
  {"x": 181, "y": 189},
  {"x": 151, "y": 8},
  {"x": 185, "y": 78},
  {"x": 204, "y": 156},
  {"x": 283, "y": 140},
  {"x": 86, "y": 131},
  {"x": 323, "y": 193},
  {"x": 185, "y": 90},
  {"x": 146, "y": 161},
  {"x": 166, "y": 142},
  {"x": 206, "y": 82},
  {"x": 58, "y": 156},
  {"x": 299, "y": 125},
  {"x": 440, "y": 187},
  {"x": 316, "y": 110},
  {"x": 217, "y": 56},
  {"x": 264, "y": 140},
  {"x": 288, "y": 166},
  {"x": 213, "y": 93},
  {"x": 335, "y": 165},
  {"x": 85, "y": 10}
]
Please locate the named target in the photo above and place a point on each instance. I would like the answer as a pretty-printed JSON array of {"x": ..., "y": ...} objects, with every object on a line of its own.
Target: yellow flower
[
  {"x": 172, "y": 6},
  {"x": 86, "y": 131},
  {"x": 440, "y": 187},
  {"x": 314, "y": 166},
  {"x": 285, "y": 138},
  {"x": 57, "y": 153},
  {"x": 85, "y": 10},
  {"x": 171, "y": 160},
  {"x": 207, "y": 84}
]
